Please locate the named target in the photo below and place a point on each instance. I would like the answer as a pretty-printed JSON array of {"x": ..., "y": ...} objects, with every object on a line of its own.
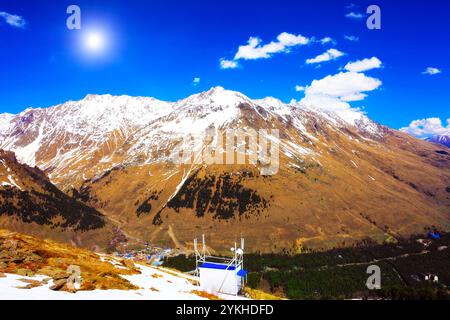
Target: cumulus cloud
[
  {"x": 351, "y": 38},
  {"x": 228, "y": 64},
  {"x": 331, "y": 54},
  {"x": 334, "y": 92},
  {"x": 355, "y": 15},
  {"x": 431, "y": 71},
  {"x": 427, "y": 127},
  {"x": 13, "y": 20},
  {"x": 254, "y": 49},
  {"x": 363, "y": 65},
  {"x": 325, "y": 102},
  {"x": 342, "y": 85},
  {"x": 299, "y": 88}
]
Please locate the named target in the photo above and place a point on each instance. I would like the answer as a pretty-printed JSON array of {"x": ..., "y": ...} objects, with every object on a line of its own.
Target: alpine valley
[{"x": 82, "y": 170}]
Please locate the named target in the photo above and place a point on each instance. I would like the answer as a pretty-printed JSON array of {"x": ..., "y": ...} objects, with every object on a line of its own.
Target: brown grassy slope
[
  {"x": 36, "y": 206},
  {"x": 351, "y": 188},
  {"x": 27, "y": 255},
  {"x": 349, "y": 185}
]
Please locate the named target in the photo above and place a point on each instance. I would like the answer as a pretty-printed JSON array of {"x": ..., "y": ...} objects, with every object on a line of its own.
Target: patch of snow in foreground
[{"x": 155, "y": 284}]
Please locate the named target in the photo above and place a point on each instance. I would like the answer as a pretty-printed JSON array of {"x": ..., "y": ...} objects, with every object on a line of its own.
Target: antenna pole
[
  {"x": 196, "y": 257},
  {"x": 204, "y": 246}
]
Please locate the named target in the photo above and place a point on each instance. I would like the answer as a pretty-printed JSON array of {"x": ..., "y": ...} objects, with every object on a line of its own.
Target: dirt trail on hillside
[{"x": 174, "y": 239}]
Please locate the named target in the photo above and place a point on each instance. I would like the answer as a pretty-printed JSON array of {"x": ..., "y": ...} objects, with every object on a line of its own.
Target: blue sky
[{"x": 158, "y": 48}]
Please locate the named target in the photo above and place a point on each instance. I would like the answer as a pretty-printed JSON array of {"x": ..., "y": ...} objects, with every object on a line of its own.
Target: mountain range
[
  {"x": 440, "y": 139},
  {"x": 342, "y": 177}
]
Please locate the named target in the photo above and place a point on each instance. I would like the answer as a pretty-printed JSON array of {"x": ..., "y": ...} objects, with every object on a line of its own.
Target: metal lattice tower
[
  {"x": 236, "y": 262},
  {"x": 200, "y": 257}
]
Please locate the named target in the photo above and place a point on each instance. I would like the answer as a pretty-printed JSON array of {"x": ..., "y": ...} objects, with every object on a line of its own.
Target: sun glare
[{"x": 95, "y": 42}]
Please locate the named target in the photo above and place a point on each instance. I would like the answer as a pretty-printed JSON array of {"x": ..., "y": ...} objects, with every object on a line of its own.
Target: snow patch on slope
[
  {"x": 154, "y": 284},
  {"x": 5, "y": 122},
  {"x": 274, "y": 106}
]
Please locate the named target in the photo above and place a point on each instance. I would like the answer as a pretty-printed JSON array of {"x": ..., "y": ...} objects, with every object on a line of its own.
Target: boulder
[{"x": 58, "y": 284}]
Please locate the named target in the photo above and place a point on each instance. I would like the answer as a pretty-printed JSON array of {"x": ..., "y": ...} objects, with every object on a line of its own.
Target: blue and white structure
[{"x": 219, "y": 275}]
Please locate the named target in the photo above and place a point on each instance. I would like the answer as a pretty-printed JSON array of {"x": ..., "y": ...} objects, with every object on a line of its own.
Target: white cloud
[
  {"x": 13, "y": 20},
  {"x": 363, "y": 65},
  {"x": 255, "y": 50},
  {"x": 196, "y": 81},
  {"x": 289, "y": 40},
  {"x": 343, "y": 85},
  {"x": 356, "y": 96},
  {"x": 355, "y": 15},
  {"x": 330, "y": 54},
  {"x": 351, "y": 38},
  {"x": 427, "y": 127},
  {"x": 325, "y": 102},
  {"x": 299, "y": 88},
  {"x": 327, "y": 40},
  {"x": 228, "y": 64},
  {"x": 334, "y": 92},
  {"x": 431, "y": 71}
]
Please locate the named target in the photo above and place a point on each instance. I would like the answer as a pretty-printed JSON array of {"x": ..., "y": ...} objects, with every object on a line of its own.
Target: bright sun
[{"x": 95, "y": 41}]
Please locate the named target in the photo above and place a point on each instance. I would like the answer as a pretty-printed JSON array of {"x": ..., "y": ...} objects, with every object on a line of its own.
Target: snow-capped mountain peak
[
  {"x": 108, "y": 113},
  {"x": 440, "y": 139},
  {"x": 217, "y": 96},
  {"x": 101, "y": 131},
  {"x": 270, "y": 102}
]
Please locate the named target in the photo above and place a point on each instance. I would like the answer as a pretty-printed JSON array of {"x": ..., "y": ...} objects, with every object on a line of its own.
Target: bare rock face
[{"x": 341, "y": 177}]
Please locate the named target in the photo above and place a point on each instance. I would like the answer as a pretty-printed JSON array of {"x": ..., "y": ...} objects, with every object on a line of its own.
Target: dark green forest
[{"x": 341, "y": 273}]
